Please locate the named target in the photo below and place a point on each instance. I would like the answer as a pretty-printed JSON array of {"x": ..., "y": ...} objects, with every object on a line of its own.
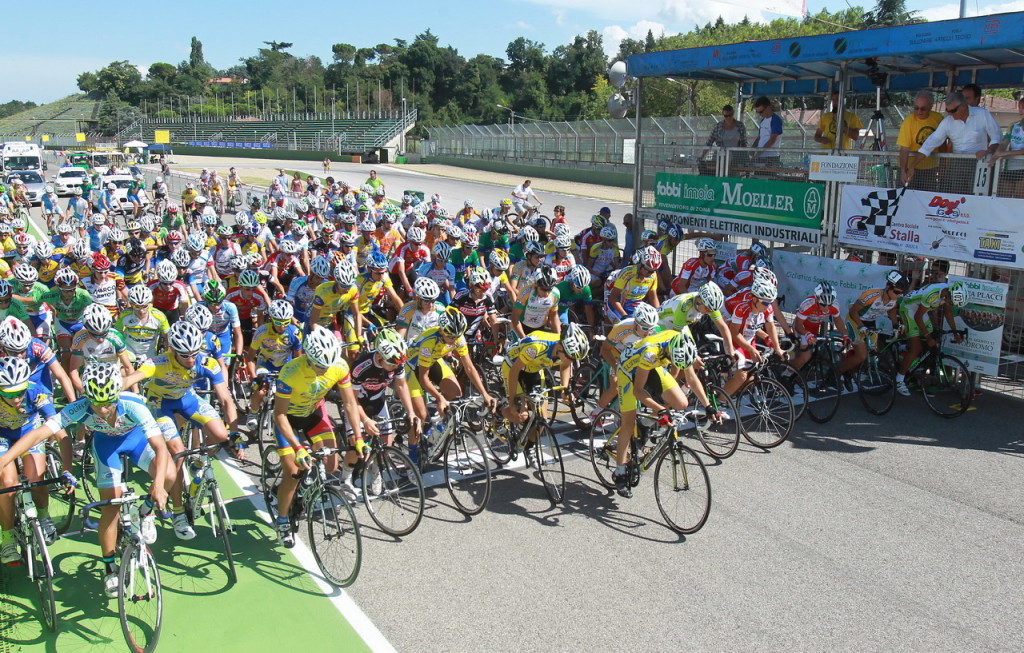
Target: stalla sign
[{"x": 833, "y": 168}]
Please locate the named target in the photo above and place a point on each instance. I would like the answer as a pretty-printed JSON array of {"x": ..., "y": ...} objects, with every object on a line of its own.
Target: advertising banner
[
  {"x": 162, "y": 136},
  {"x": 983, "y": 317},
  {"x": 798, "y": 274},
  {"x": 833, "y": 168},
  {"x": 780, "y": 211},
  {"x": 969, "y": 228}
]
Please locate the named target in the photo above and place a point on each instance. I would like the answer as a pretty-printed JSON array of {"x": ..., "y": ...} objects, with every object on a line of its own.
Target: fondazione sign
[{"x": 781, "y": 211}]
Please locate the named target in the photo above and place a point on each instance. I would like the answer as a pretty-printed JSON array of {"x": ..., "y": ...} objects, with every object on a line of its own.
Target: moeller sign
[{"x": 772, "y": 210}]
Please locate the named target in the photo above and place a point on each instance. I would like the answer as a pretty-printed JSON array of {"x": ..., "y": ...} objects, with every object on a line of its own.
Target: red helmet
[
  {"x": 172, "y": 209},
  {"x": 652, "y": 258},
  {"x": 100, "y": 263},
  {"x": 22, "y": 240},
  {"x": 174, "y": 237}
]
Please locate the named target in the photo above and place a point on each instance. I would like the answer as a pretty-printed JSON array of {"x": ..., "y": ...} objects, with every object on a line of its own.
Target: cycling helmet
[
  {"x": 288, "y": 247},
  {"x": 498, "y": 259},
  {"x": 758, "y": 250},
  {"x": 563, "y": 242},
  {"x": 767, "y": 275},
  {"x": 609, "y": 232},
  {"x": 116, "y": 236},
  {"x": 452, "y": 323},
  {"x": 147, "y": 223},
  {"x": 707, "y": 245},
  {"x": 647, "y": 234},
  {"x": 166, "y": 271},
  {"x": 185, "y": 338},
  {"x": 579, "y": 276},
  {"x": 499, "y": 226},
  {"x": 15, "y": 336},
  {"x": 25, "y": 273},
  {"x": 711, "y": 296},
  {"x": 66, "y": 278},
  {"x": 17, "y": 224},
  {"x": 195, "y": 242},
  {"x": 322, "y": 347},
  {"x": 454, "y": 232},
  {"x": 529, "y": 235},
  {"x": 239, "y": 262},
  {"x": 5, "y": 227},
  {"x": 470, "y": 239},
  {"x": 764, "y": 264},
  {"x": 598, "y": 221},
  {"x": 172, "y": 208},
  {"x": 532, "y": 248},
  {"x": 97, "y": 319},
  {"x": 252, "y": 229},
  {"x": 345, "y": 274},
  {"x": 140, "y": 295},
  {"x": 181, "y": 258},
  {"x": 242, "y": 220},
  {"x": 896, "y": 279},
  {"x": 367, "y": 225},
  {"x": 682, "y": 349},
  {"x": 575, "y": 342},
  {"x": 159, "y": 179},
  {"x": 14, "y": 375},
  {"x": 347, "y": 219},
  {"x": 825, "y": 294},
  {"x": 78, "y": 190},
  {"x": 111, "y": 186},
  {"x": 64, "y": 228},
  {"x": 190, "y": 186},
  {"x": 80, "y": 250},
  {"x": 102, "y": 382},
  {"x": 652, "y": 258},
  {"x": 764, "y": 290},
  {"x": 6, "y": 290},
  {"x": 442, "y": 251},
  {"x": 201, "y": 199},
  {"x": 477, "y": 277},
  {"x": 958, "y": 294},
  {"x": 673, "y": 232},
  {"x": 377, "y": 260},
  {"x": 415, "y": 235},
  {"x": 320, "y": 266},
  {"x": 249, "y": 279},
  {"x": 506, "y": 202},
  {"x": 347, "y": 239},
  {"x": 174, "y": 236},
  {"x": 391, "y": 346},
  {"x": 426, "y": 289},
  {"x": 42, "y": 250},
  {"x": 280, "y": 310},
  {"x": 545, "y": 277},
  {"x": 562, "y": 229},
  {"x": 645, "y": 315},
  {"x": 100, "y": 263},
  {"x": 135, "y": 248},
  {"x": 199, "y": 315},
  {"x": 225, "y": 231}
]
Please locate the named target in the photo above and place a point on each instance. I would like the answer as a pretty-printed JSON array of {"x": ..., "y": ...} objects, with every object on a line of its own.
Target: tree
[
  {"x": 14, "y": 106},
  {"x": 87, "y": 82},
  {"x": 195, "y": 57},
  {"x": 890, "y": 12},
  {"x": 116, "y": 114},
  {"x": 120, "y": 78},
  {"x": 162, "y": 71},
  {"x": 278, "y": 46}
]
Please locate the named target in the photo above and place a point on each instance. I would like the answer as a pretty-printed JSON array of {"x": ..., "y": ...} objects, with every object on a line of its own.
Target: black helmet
[{"x": 135, "y": 248}]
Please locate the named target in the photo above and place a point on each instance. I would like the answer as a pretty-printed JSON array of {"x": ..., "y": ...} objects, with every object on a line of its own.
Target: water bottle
[{"x": 197, "y": 475}]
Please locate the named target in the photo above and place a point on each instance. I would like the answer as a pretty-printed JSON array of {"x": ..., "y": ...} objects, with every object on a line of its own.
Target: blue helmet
[{"x": 377, "y": 260}]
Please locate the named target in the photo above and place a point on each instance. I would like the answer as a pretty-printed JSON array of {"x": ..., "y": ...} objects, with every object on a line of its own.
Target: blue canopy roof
[{"x": 986, "y": 50}]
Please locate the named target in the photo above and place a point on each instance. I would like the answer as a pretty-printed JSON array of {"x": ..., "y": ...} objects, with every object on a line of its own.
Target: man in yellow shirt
[
  {"x": 916, "y": 128},
  {"x": 826, "y": 133}
]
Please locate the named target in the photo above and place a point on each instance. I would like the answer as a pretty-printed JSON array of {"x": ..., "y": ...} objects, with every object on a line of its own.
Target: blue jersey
[
  {"x": 132, "y": 414},
  {"x": 36, "y": 405},
  {"x": 225, "y": 319}
]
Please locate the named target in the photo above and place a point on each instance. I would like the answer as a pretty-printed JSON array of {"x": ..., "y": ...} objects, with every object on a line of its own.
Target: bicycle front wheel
[
  {"x": 140, "y": 600},
  {"x": 42, "y": 574},
  {"x": 682, "y": 489},
  {"x": 270, "y": 480},
  {"x": 823, "y": 386},
  {"x": 603, "y": 443},
  {"x": 584, "y": 395},
  {"x": 62, "y": 502},
  {"x": 334, "y": 538},
  {"x": 221, "y": 523},
  {"x": 549, "y": 464},
  {"x": 947, "y": 386},
  {"x": 393, "y": 491},
  {"x": 467, "y": 472},
  {"x": 876, "y": 383},
  {"x": 719, "y": 439},
  {"x": 499, "y": 434},
  {"x": 766, "y": 413}
]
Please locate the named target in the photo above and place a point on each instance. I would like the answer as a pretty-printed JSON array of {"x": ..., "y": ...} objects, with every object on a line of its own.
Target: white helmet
[
  {"x": 415, "y": 235},
  {"x": 533, "y": 247},
  {"x": 825, "y": 294},
  {"x": 711, "y": 296},
  {"x": 442, "y": 251},
  {"x": 575, "y": 342},
  {"x": 280, "y": 310},
  {"x": 15, "y": 336},
  {"x": 707, "y": 245},
  {"x": 579, "y": 276},
  {"x": 199, "y": 315},
  {"x": 426, "y": 289},
  {"x": 609, "y": 232},
  {"x": 289, "y": 247},
  {"x": 320, "y": 266},
  {"x": 196, "y": 242},
  {"x": 97, "y": 319},
  {"x": 345, "y": 274},
  {"x": 26, "y": 274},
  {"x": 14, "y": 374},
  {"x": 563, "y": 242},
  {"x": 185, "y": 338},
  {"x": 140, "y": 295},
  {"x": 645, "y": 315},
  {"x": 764, "y": 290},
  {"x": 322, "y": 347},
  {"x": 498, "y": 259},
  {"x": 529, "y": 234},
  {"x": 166, "y": 271}
]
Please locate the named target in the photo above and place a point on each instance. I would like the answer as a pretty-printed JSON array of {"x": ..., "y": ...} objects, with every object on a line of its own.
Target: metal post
[{"x": 637, "y": 168}]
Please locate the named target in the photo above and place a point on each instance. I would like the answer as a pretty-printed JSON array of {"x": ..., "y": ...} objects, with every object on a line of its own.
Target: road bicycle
[
  {"x": 821, "y": 374},
  {"x": 203, "y": 497},
  {"x": 764, "y": 405},
  {"x": 943, "y": 379},
  {"x": 876, "y": 376},
  {"x": 263, "y": 434},
  {"x": 391, "y": 484}
]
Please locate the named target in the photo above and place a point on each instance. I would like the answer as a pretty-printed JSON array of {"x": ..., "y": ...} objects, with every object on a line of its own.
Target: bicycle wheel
[
  {"x": 265, "y": 426},
  {"x": 584, "y": 395},
  {"x": 603, "y": 441},
  {"x": 334, "y": 538},
  {"x": 220, "y": 522},
  {"x": 682, "y": 488},
  {"x": 549, "y": 464},
  {"x": 822, "y": 386},
  {"x": 241, "y": 386},
  {"x": 397, "y": 505},
  {"x": 87, "y": 472},
  {"x": 718, "y": 439},
  {"x": 947, "y": 385},
  {"x": 499, "y": 434},
  {"x": 766, "y": 413},
  {"x": 62, "y": 502},
  {"x": 140, "y": 600},
  {"x": 467, "y": 472},
  {"x": 270, "y": 480},
  {"x": 876, "y": 383},
  {"x": 794, "y": 383},
  {"x": 42, "y": 575}
]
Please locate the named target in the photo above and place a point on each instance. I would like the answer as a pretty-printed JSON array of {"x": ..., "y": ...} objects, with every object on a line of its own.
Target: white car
[
  {"x": 68, "y": 179},
  {"x": 123, "y": 183}
]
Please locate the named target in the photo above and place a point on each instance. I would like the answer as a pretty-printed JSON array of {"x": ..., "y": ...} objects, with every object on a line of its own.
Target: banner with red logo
[{"x": 970, "y": 228}]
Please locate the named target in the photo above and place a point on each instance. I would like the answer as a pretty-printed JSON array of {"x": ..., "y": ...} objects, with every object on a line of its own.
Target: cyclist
[
  {"x": 440, "y": 270},
  {"x": 274, "y": 344},
  {"x": 299, "y": 409},
  {"x": 521, "y": 369},
  {"x": 501, "y": 288},
  {"x": 420, "y": 313},
  {"x": 864, "y": 313},
  {"x": 622, "y": 336},
  {"x": 68, "y": 302},
  {"x": 188, "y": 196},
  {"x": 466, "y": 257},
  {"x": 914, "y": 315},
  {"x": 78, "y": 208},
  {"x": 573, "y": 291},
  {"x": 29, "y": 292},
  {"x": 251, "y": 300},
  {"x": 336, "y": 301},
  {"x": 132, "y": 266},
  {"x": 635, "y": 283},
  {"x": 537, "y": 308},
  {"x": 302, "y": 289},
  {"x": 374, "y": 286},
  {"x": 813, "y": 312},
  {"x": 226, "y": 326},
  {"x": 144, "y": 327},
  {"x": 477, "y": 305},
  {"x": 170, "y": 296},
  {"x": 160, "y": 190},
  {"x": 137, "y": 193},
  {"x": 683, "y": 310},
  {"x": 699, "y": 270},
  {"x": 96, "y": 340},
  {"x": 752, "y": 317},
  {"x": 104, "y": 289},
  {"x": 524, "y": 271},
  {"x": 605, "y": 256},
  {"x": 407, "y": 258},
  {"x": 51, "y": 208}
]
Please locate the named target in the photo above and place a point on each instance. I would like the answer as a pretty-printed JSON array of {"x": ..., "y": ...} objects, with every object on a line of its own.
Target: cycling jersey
[
  {"x": 70, "y": 311},
  {"x": 696, "y": 272},
  {"x": 929, "y": 296},
  {"x": 603, "y": 257},
  {"x": 171, "y": 380},
  {"x": 473, "y": 309},
  {"x": 36, "y": 406},
  {"x": 536, "y": 352},
  {"x": 107, "y": 349},
  {"x": 167, "y": 297},
  {"x": 623, "y": 335},
  {"x": 749, "y": 320},
  {"x": 300, "y": 293},
  {"x": 444, "y": 276},
  {"x": 370, "y": 289},
  {"x": 371, "y": 382},
  {"x": 462, "y": 261},
  {"x": 142, "y": 333},
  {"x": 39, "y": 357},
  {"x": 225, "y": 317},
  {"x": 331, "y": 302},
  {"x": 813, "y": 313},
  {"x": 273, "y": 347},
  {"x": 224, "y": 253},
  {"x": 535, "y": 309},
  {"x": 874, "y": 306},
  {"x": 246, "y": 306},
  {"x": 416, "y": 321},
  {"x": 407, "y": 255},
  {"x": 131, "y": 414},
  {"x": 522, "y": 272},
  {"x": 561, "y": 265},
  {"x": 388, "y": 241},
  {"x": 198, "y": 270},
  {"x": 569, "y": 296},
  {"x": 648, "y": 353},
  {"x": 431, "y": 348},
  {"x": 304, "y": 389},
  {"x": 104, "y": 292},
  {"x": 633, "y": 289},
  {"x": 681, "y": 310}
]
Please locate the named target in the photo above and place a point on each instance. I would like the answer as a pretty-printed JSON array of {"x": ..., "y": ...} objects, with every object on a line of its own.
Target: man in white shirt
[
  {"x": 769, "y": 132},
  {"x": 521, "y": 196},
  {"x": 969, "y": 129}
]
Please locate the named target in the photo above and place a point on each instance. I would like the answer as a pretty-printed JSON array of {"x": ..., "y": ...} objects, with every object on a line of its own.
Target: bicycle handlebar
[
  {"x": 130, "y": 497},
  {"x": 26, "y": 485},
  {"x": 206, "y": 448}
]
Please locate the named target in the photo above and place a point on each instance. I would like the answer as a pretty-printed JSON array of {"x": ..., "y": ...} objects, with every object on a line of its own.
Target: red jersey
[
  {"x": 409, "y": 254},
  {"x": 167, "y": 298},
  {"x": 749, "y": 321},
  {"x": 811, "y": 312},
  {"x": 245, "y": 307},
  {"x": 694, "y": 271}
]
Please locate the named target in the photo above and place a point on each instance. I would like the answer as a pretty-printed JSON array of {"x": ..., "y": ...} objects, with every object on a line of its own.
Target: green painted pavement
[{"x": 274, "y": 600}]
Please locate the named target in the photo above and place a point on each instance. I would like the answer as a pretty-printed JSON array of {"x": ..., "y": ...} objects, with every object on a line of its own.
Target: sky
[{"x": 36, "y": 69}]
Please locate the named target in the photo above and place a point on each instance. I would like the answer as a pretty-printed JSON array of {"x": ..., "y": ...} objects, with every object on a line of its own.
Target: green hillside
[{"x": 61, "y": 117}]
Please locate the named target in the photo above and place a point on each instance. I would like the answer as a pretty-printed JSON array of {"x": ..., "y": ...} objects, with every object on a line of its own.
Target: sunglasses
[
  {"x": 13, "y": 394},
  {"x": 897, "y": 292},
  {"x": 954, "y": 109}
]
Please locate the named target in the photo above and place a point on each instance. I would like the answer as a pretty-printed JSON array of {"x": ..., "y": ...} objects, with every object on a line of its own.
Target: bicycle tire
[
  {"x": 499, "y": 434},
  {"x": 87, "y": 472},
  {"x": 550, "y": 466},
  {"x": 946, "y": 385},
  {"x": 720, "y": 439},
  {"x": 584, "y": 395},
  {"x": 401, "y": 495},
  {"x": 42, "y": 576},
  {"x": 876, "y": 383},
  {"x": 823, "y": 386},
  {"x": 603, "y": 441},
  {"x": 793, "y": 381},
  {"x": 334, "y": 537},
  {"x": 220, "y": 521},
  {"x": 62, "y": 503},
  {"x": 685, "y": 499},
  {"x": 139, "y": 588},
  {"x": 467, "y": 472},
  {"x": 270, "y": 479},
  {"x": 241, "y": 387},
  {"x": 766, "y": 413}
]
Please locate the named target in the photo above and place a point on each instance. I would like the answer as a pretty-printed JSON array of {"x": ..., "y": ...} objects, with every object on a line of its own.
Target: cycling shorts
[
  {"x": 658, "y": 381},
  {"x": 910, "y": 328},
  {"x": 438, "y": 372},
  {"x": 107, "y": 450},
  {"x": 381, "y": 415},
  {"x": 528, "y": 381},
  {"x": 42, "y": 324},
  {"x": 191, "y": 406},
  {"x": 857, "y": 336},
  {"x": 224, "y": 340},
  {"x": 133, "y": 198},
  {"x": 10, "y": 436},
  {"x": 316, "y": 427},
  {"x": 67, "y": 329}
]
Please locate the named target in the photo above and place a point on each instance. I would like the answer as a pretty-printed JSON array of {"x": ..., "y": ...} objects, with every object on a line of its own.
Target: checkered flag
[{"x": 883, "y": 205}]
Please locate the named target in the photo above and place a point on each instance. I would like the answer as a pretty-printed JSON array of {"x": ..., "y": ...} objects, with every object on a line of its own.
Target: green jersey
[{"x": 70, "y": 311}]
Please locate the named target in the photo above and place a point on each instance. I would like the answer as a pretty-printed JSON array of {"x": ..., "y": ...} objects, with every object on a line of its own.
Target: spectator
[
  {"x": 916, "y": 128},
  {"x": 282, "y": 179},
  {"x": 769, "y": 133},
  {"x": 375, "y": 181},
  {"x": 327, "y": 166},
  {"x": 970, "y": 131},
  {"x": 627, "y": 223},
  {"x": 826, "y": 132},
  {"x": 521, "y": 196},
  {"x": 728, "y": 132},
  {"x": 559, "y": 215},
  {"x": 1011, "y": 179}
]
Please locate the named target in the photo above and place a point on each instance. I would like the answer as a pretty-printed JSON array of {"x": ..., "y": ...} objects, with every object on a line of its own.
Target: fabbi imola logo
[{"x": 669, "y": 189}]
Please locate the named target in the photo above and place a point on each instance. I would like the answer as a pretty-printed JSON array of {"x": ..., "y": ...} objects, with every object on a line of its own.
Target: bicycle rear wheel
[
  {"x": 682, "y": 488},
  {"x": 398, "y": 505},
  {"x": 794, "y": 383},
  {"x": 139, "y": 599},
  {"x": 603, "y": 442},
  {"x": 584, "y": 395},
  {"x": 42, "y": 575},
  {"x": 499, "y": 434},
  {"x": 62, "y": 503},
  {"x": 467, "y": 472},
  {"x": 241, "y": 386},
  {"x": 876, "y": 383},
  {"x": 549, "y": 464},
  {"x": 270, "y": 479},
  {"x": 87, "y": 472},
  {"x": 719, "y": 439},
  {"x": 334, "y": 537},
  {"x": 947, "y": 385},
  {"x": 766, "y": 413},
  {"x": 823, "y": 386},
  {"x": 220, "y": 522}
]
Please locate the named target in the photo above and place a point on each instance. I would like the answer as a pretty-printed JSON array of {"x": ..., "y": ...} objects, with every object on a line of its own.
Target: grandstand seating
[{"x": 68, "y": 115}]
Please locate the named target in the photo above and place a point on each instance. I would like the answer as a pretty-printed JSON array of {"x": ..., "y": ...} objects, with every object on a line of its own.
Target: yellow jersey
[
  {"x": 170, "y": 380},
  {"x": 648, "y": 353},
  {"x": 305, "y": 389},
  {"x": 370, "y": 289},
  {"x": 634, "y": 289},
  {"x": 536, "y": 351},
  {"x": 431, "y": 348},
  {"x": 331, "y": 301}
]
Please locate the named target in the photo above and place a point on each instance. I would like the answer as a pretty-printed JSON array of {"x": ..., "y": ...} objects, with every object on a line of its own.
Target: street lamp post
[
  {"x": 512, "y": 127},
  {"x": 404, "y": 118}
]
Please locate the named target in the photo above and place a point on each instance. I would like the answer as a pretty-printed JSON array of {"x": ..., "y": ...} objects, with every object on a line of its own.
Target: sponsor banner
[
  {"x": 798, "y": 274},
  {"x": 833, "y": 168},
  {"x": 969, "y": 228},
  {"x": 247, "y": 146},
  {"x": 629, "y": 150},
  {"x": 983, "y": 316},
  {"x": 771, "y": 210},
  {"x": 162, "y": 136}
]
